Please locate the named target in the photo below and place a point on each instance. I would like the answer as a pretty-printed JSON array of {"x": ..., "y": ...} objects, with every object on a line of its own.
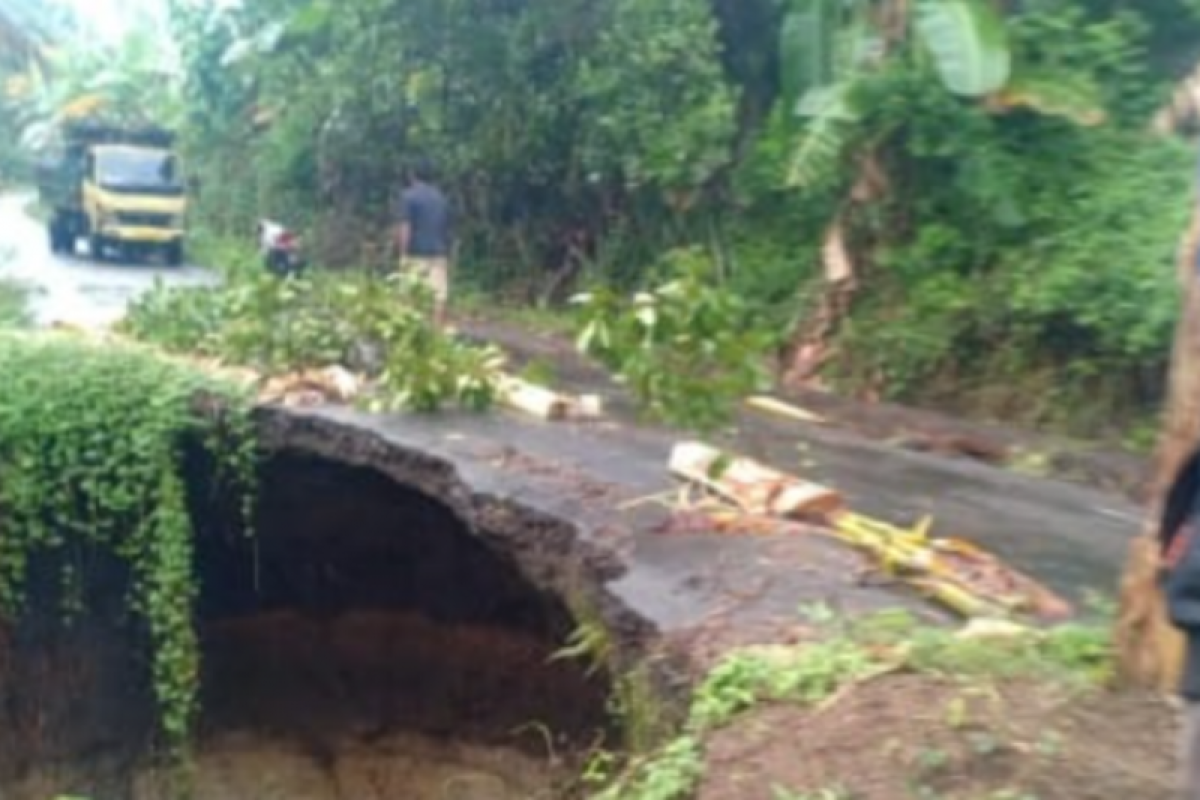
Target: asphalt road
[
  {"x": 1073, "y": 538},
  {"x": 74, "y": 289}
]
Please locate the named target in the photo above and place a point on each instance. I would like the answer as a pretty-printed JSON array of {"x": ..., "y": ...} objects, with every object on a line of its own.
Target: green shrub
[{"x": 689, "y": 349}]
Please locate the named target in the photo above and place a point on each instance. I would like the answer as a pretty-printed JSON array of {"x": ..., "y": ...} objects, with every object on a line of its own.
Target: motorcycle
[{"x": 280, "y": 249}]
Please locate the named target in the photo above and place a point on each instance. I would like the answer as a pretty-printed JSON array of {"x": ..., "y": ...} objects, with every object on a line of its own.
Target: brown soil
[
  {"x": 919, "y": 738},
  {"x": 367, "y": 644},
  {"x": 376, "y": 706},
  {"x": 402, "y": 766},
  {"x": 365, "y": 675}
]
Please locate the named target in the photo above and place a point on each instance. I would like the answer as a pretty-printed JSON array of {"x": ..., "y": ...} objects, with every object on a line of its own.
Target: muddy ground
[{"x": 921, "y": 738}]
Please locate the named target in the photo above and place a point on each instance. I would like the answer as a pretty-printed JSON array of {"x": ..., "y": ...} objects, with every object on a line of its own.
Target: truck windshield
[{"x": 133, "y": 169}]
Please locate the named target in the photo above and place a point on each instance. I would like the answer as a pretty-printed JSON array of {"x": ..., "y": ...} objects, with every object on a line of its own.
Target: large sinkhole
[{"x": 364, "y": 644}]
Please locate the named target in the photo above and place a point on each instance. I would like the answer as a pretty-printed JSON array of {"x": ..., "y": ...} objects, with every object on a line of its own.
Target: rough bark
[{"x": 1149, "y": 650}]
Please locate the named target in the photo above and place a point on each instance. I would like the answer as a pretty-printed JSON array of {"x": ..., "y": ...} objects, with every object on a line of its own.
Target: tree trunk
[{"x": 1149, "y": 650}]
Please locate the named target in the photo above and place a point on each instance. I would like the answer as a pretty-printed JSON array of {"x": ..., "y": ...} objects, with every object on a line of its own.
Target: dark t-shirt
[{"x": 427, "y": 213}]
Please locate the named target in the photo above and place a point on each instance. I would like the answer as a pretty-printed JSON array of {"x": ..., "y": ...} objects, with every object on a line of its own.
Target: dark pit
[{"x": 364, "y": 645}]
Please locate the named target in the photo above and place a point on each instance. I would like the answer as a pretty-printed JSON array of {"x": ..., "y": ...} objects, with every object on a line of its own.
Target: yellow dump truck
[{"x": 118, "y": 189}]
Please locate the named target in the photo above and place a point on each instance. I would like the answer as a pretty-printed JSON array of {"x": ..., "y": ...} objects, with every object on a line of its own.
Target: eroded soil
[
  {"x": 919, "y": 738},
  {"x": 377, "y": 706}
]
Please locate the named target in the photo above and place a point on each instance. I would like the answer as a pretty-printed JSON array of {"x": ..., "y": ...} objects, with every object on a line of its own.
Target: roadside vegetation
[
  {"x": 924, "y": 202},
  {"x": 945, "y": 715},
  {"x": 378, "y": 326}
]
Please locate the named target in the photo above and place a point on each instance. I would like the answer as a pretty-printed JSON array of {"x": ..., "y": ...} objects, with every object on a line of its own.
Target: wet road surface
[{"x": 75, "y": 289}]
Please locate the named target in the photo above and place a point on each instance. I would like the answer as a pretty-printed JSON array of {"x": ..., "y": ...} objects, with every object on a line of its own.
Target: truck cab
[{"x": 119, "y": 190}]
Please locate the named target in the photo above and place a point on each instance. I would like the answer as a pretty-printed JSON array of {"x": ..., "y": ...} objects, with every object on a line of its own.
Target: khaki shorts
[
  {"x": 1190, "y": 753},
  {"x": 433, "y": 272}
]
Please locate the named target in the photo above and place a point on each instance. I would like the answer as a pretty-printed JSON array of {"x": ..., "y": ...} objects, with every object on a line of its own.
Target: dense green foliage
[
  {"x": 92, "y": 442},
  {"x": 378, "y": 326},
  {"x": 1010, "y": 222}
]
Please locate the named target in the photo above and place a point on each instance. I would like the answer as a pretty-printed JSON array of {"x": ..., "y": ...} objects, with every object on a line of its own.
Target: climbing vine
[{"x": 93, "y": 441}]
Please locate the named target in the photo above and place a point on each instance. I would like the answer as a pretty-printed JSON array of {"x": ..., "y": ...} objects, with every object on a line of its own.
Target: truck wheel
[
  {"x": 75, "y": 227},
  {"x": 59, "y": 232},
  {"x": 96, "y": 245},
  {"x": 174, "y": 254}
]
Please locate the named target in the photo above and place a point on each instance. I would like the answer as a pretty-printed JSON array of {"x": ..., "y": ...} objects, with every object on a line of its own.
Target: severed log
[
  {"x": 752, "y": 487},
  {"x": 534, "y": 400},
  {"x": 547, "y": 404}
]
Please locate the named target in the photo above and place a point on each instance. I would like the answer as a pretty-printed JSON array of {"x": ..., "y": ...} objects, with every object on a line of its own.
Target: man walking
[{"x": 423, "y": 237}]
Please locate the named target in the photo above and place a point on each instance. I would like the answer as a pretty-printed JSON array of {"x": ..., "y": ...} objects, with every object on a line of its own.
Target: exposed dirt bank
[
  {"x": 906, "y": 737},
  {"x": 368, "y": 642}
]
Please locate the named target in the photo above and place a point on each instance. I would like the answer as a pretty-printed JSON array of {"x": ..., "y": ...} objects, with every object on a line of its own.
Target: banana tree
[{"x": 829, "y": 47}]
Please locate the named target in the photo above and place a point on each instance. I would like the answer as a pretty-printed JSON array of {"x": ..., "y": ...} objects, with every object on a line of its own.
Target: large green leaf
[
  {"x": 969, "y": 43},
  {"x": 832, "y": 118},
  {"x": 806, "y": 48}
]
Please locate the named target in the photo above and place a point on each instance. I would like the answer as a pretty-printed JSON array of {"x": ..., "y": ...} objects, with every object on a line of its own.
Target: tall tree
[{"x": 1149, "y": 649}]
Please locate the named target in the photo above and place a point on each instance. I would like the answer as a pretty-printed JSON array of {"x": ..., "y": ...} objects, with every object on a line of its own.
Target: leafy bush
[
  {"x": 91, "y": 457},
  {"x": 278, "y": 326},
  {"x": 689, "y": 349},
  {"x": 1037, "y": 280}
]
